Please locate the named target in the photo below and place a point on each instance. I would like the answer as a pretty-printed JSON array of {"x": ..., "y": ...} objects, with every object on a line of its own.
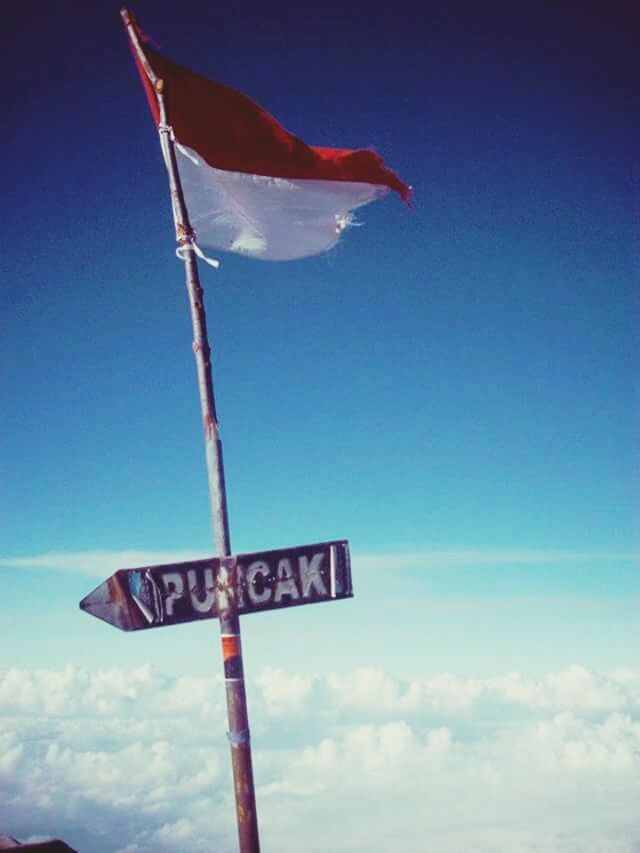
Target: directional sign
[{"x": 133, "y": 599}]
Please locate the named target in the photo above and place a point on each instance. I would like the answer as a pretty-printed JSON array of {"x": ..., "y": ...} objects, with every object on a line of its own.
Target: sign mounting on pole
[{"x": 154, "y": 596}]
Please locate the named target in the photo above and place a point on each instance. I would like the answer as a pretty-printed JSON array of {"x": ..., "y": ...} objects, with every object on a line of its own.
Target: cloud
[
  {"x": 283, "y": 693},
  {"x": 454, "y": 558},
  {"x": 104, "y": 563},
  {"x": 134, "y": 760},
  {"x": 575, "y": 687},
  {"x": 100, "y": 564}
]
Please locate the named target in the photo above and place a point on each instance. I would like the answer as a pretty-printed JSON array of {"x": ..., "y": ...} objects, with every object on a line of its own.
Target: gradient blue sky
[{"x": 453, "y": 388}]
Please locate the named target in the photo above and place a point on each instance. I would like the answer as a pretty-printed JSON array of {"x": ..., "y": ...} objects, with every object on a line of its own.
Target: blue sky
[{"x": 453, "y": 388}]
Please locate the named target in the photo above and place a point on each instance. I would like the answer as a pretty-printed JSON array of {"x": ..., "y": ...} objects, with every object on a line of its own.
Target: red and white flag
[{"x": 250, "y": 186}]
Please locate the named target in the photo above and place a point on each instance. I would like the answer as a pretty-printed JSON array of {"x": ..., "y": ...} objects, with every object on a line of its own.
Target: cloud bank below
[{"x": 135, "y": 761}]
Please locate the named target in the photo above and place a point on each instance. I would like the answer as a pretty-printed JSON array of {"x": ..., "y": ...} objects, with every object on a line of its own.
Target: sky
[{"x": 453, "y": 388}]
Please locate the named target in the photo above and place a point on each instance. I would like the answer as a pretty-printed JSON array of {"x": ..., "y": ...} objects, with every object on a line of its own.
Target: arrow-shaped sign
[{"x": 132, "y": 599}]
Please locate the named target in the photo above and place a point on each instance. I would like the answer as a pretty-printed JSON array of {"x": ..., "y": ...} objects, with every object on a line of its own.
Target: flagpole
[{"x": 238, "y": 734}]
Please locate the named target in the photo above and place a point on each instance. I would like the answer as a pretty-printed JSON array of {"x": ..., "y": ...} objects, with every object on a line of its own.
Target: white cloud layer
[{"x": 135, "y": 761}]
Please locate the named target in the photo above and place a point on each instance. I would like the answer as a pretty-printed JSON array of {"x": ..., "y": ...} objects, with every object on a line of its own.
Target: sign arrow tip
[{"x": 109, "y": 602}]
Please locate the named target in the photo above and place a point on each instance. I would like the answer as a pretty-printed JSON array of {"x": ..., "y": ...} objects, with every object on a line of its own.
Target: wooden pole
[{"x": 229, "y": 622}]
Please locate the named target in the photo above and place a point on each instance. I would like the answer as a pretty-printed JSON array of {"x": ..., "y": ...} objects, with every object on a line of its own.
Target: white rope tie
[
  {"x": 167, "y": 130},
  {"x": 213, "y": 262}
]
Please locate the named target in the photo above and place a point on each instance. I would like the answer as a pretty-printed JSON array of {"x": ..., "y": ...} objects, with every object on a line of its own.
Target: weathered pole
[{"x": 229, "y": 621}]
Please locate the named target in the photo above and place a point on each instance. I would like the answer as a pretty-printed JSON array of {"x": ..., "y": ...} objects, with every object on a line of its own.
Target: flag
[{"x": 250, "y": 186}]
